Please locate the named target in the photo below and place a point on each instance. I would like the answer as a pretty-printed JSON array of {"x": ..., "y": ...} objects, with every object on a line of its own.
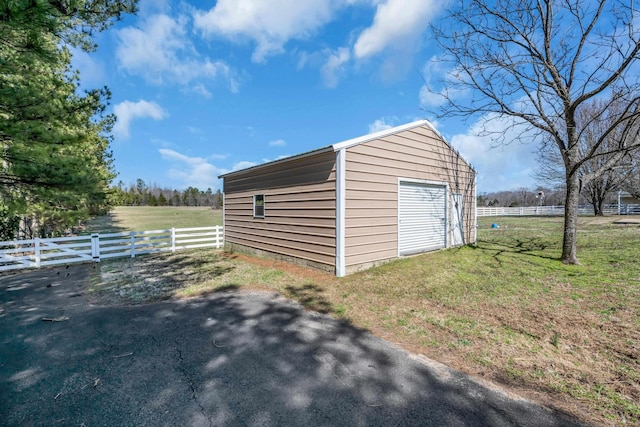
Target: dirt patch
[
  {"x": 607, "y": 220},
  {"x": 154, "y": 277},
  {"x": 628, "y": 221},
  {"x": 290, "y": 268}
]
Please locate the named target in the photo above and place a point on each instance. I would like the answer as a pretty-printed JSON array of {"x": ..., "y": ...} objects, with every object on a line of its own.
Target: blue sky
[{"x": 203, "y": 87}]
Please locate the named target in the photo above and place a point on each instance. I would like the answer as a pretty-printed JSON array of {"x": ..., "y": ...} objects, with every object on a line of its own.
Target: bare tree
[
  {"x": 632, "y": 183},
  {"x": 461, "y": 179},
  {"x": 606, "y": 166},
  {"x": 525, "y": 197},
  {"x": 607, "y": 178},
  {"x": 536, "y": 62}
]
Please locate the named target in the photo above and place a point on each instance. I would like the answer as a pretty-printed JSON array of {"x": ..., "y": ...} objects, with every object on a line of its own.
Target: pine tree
[{"x": 55, "y": 163}]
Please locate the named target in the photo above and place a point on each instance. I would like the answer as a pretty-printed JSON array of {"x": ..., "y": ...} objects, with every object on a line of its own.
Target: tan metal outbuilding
[{"x": 354, "y": 204}]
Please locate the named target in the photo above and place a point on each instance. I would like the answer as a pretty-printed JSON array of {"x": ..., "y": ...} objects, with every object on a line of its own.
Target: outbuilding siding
[
  {"x": 336, "y": 208},
  {"x": 300, "y": 206},
  {"x": 372, "y": 172}
]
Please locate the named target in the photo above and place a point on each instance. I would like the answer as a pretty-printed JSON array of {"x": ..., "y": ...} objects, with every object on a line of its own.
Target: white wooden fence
[
  {"x": 36, "y": 253},
  {"x": 555, "y": 210}
]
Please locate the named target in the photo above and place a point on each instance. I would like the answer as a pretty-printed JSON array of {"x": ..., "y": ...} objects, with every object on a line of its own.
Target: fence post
[
  {"x": 218, "y": 236},
  {"x": 133, "y": 244},
  {"x": 173, "y": 239},
  {"x": 95, "y": 247},
  {"x": 36, "y": 251}
]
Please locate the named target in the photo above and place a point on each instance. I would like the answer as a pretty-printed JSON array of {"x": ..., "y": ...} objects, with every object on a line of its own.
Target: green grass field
[
  {"x": 505, "y": 308},
  {"x": 140, "y": 218}
]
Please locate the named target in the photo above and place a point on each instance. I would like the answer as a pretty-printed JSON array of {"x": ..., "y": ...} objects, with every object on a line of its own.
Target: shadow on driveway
[{"x": 230, "y": 359}]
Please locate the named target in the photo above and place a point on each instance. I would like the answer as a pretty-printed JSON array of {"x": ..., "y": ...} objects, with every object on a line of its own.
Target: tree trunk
[
  {"x": 599, "y": 210},
  {"x": 569, "y": 241}
]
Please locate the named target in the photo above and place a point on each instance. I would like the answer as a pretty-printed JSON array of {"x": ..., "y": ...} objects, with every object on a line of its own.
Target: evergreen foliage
[
  {"x": 55, "y": 163},
  {"x": 141, "y": 194}
]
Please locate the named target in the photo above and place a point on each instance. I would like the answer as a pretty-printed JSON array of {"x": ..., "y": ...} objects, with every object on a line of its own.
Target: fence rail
[
  {"x": 556, "y": 210},
  {"x": 36, "y": 253}
]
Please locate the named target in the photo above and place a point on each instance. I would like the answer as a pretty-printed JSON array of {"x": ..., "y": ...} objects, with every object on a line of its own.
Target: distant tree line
[
  {"x": 143, "y": 194},
  {"x": 542, "y": 196},
  {"x": 522, "y": 197}
]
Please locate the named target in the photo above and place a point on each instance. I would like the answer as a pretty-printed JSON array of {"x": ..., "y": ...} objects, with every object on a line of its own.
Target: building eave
[
  {"x": 322, "y": 150},
  {"x": 347, "y": 144}
]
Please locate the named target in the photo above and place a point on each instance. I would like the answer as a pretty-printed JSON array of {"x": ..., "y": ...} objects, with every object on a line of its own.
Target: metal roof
[
  {"x": 341, "y": 145},
  {"x": 283, "y": 160}
]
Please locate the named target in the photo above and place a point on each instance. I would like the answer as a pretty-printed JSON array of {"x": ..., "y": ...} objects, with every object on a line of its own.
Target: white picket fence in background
[
  {"x": 36, "y": 253},
  {"x": 556, "y": 210}
]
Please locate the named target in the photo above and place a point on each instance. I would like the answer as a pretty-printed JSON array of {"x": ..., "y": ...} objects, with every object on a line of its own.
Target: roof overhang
[
  {"x": 276, "y": 162},
  {"x": 339, "y": 146}
]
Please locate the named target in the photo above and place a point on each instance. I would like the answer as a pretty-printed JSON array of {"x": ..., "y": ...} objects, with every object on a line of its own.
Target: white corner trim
[
  {"x": 381, "y": 134},
  {"x": 340, "y": 212},
  {"x": 475, "y": 209}
]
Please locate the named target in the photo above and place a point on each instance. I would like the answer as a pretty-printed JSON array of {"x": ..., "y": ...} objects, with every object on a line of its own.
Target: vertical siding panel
[{"x": 373, "y": 169}]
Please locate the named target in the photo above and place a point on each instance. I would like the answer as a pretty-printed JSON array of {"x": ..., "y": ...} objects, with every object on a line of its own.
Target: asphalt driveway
[{"x": 230, "y": 359}]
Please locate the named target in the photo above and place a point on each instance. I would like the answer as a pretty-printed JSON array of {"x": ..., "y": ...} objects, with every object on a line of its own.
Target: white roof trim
[
  {"x": 340, "y": 145},
  {"x": 381, "y": 134}
]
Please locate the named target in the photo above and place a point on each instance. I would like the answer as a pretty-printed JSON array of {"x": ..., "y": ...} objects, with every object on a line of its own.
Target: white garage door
[{"x": 421, "y": 217}]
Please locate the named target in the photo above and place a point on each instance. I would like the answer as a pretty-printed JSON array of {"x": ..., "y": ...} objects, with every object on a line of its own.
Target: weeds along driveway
[{"x": 229, "y": 359}]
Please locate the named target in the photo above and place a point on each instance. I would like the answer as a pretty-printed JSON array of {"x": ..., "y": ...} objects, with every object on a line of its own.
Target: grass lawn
[
  {"x": 140, "y": 218},
  {"x": 504, "y": 309}
]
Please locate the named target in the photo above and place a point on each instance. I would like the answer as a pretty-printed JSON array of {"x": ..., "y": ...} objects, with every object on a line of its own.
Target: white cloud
[
  {"x": 430, "y": 98},
  {"x": 199, "y": 172},
  {"x": 92, "y": 71},
  {"x": 278, "y": 143},
  {"x": 242, "y": 165},
  {"x": 159, "y": 50},
  {"x": 387, "y": 122},
  {"x": 396, "y": 32},
  {"x": 440, "y": 83},
  {"x": 191, "y": 171},
  {"x": 202, "y": 90},
  {"x": 378, "y": 125},
  {"x": 128, "y": 111},
  {"x": 500, "y": 166},
  {"x": 162, "y": 143},
  {"x": 169, "y": 154},
  {"x": 269, "y": 23},
  {"x": 334, "y": 66},
  {"x": 149, "y": 7},
  {"x": 398, "y": 24}
]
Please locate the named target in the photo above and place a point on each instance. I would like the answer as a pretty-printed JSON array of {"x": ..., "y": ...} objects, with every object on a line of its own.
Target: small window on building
[{"x": 258, "y": 206}]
